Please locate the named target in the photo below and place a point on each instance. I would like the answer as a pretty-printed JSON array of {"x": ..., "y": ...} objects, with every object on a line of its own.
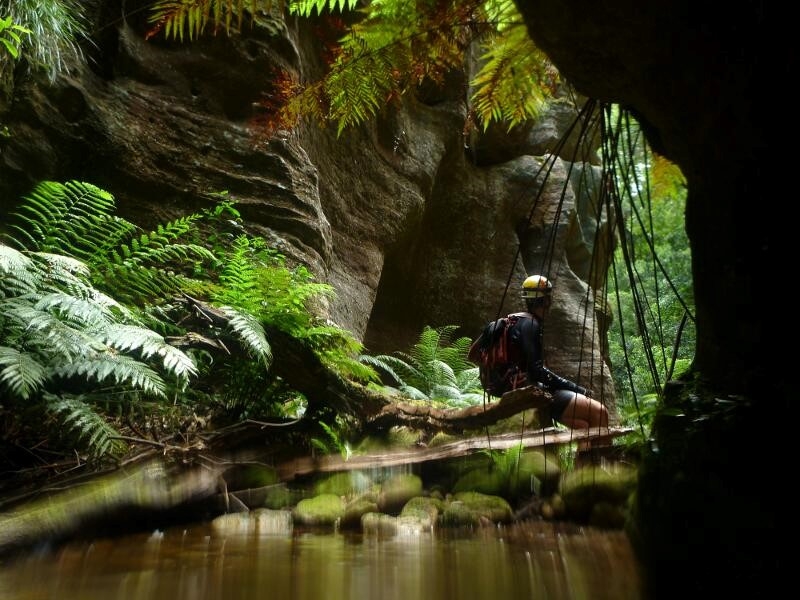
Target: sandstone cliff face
[{"x": 412, "y": 224}]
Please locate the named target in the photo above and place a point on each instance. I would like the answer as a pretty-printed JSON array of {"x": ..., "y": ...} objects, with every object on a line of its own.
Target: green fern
[
  {"x": 436, "y": 369},
  {"x": 391, "y": 47},
  {"x": 250, "y": 331},
  {"x": 511, "y": 52},
  {"x": 146, "y": 343},
  {"x": 71, "y": 218},
  {"x": 18, "y": 272},
  {"x": 181, "y": 19},
  {"x": 306, "y": 8},
  {"x": 117, "y": 369},
  {"x": 21, "y": 373},
  {"x": 59, "y": 331},
  {"x": 76, "y": 219},
  {"x": 80, "y": 421}
]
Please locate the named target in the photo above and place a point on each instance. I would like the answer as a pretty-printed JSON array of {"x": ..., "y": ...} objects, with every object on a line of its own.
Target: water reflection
[{"x": 538, "y": 560}]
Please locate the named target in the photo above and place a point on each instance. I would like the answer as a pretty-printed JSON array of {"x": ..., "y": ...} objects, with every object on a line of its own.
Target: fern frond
[
  {"x": 78, "y": 312},
  {"x": 59, "y": 218},
  {"x": 398, "y": 45},
  {"x": 239, "y": 277},
  {"x": 306, "y": 8},
  {"x": 147, "y": 343},
  {"x": 352, "y": 368},
  {"x": 120, "y": 369},
  {"x": 250, "y": 332},
  {"x": 145, "y": 285},
  {"x": 402, "y": 371},
  {"x": 515, "y": 81},
  {"x": 79, "y": 419},
  {"x": 18, "y": 274},
  {"x": 21, "y": 373},
  {"x": 190, "y": 18},
  {"x": 48, "y": 333}
]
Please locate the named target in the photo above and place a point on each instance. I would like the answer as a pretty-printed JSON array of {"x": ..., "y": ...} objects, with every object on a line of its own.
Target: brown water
[{"x": 536, "y": 560}]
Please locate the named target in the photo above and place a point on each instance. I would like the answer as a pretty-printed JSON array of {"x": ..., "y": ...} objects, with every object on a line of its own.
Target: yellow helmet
[{"x": 536, "y": 286}]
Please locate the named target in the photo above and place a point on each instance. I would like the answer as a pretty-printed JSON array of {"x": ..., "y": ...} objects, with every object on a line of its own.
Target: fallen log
[
  {"x": 426, "y": 417},
  {"x": 529, "y": 439}
]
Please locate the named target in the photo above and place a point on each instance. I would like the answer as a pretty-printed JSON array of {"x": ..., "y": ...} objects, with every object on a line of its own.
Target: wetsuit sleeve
[{"x": 530, "y": 340}]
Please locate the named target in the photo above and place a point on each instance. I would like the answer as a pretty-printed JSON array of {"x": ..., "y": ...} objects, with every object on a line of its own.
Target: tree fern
[
  {"x": 117, "y": 369},
  {"x": 511, "y": 52},
  {"x": 146, "y": 343},
  {"x": 17, "y": 271},
  {"x": 60, "y": 333}
]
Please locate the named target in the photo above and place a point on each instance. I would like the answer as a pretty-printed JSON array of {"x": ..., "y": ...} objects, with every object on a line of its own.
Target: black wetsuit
[{"x": 526, "y": 335}]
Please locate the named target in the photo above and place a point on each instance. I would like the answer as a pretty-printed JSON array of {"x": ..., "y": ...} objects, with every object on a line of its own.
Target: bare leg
[{"x": 584, "y": 413}]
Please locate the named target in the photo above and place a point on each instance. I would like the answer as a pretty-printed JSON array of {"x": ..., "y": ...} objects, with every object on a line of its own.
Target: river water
[{"x": 530, "y": 560}]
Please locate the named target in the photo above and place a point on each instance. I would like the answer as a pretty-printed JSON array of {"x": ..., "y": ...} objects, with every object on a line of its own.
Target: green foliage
[
  {"x": 516, "y": 79},
  {"x": 76, "y": 219},
  {"x": 436, "y": 368},
  {"x": 390, "y": 48},
  {"x": 11, "y": 36},
  {"x": 51, "y": 32},
  {"x": 81, "y": 425},
  {"x": 182, "y": 19},
  {"x": 506, "y": 462},
  {"x": 79, "y": 329},
  {"x": 652, "y": 336},
  {"x": 333, "y": 442},
  {"x": 59, "y": 335},
  {"x": 395, "y": 46},
  {"x": 256, "y": 279}
]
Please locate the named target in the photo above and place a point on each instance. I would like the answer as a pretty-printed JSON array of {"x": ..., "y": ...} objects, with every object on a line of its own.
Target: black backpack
[{"x": 497, "y": 357}]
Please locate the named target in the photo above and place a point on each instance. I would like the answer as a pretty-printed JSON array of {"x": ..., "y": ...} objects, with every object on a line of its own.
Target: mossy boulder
[
  {"x": 355, "y": 510},
  {"x": 322, "y": 510},
  {"x": 345, "y": 483},
  {"x": 536, "y": 473},
  {"x": 485, "y": 480},
  {"x": 473, "y": 508},
  {"x": 588, "y": 486},
  {"x": 397, "y": 490}
]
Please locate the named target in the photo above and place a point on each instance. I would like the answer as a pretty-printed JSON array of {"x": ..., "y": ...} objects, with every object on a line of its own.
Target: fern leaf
[
  {"x": 57, "y": 217},
  {"x": 17, "y": 272},
  {"x": 515, "y": 81},
  {"x": 75, "y": 311},
  {"x": 250, "y": 332},
  {"x": 46, "y": 332},
  {"x": 119, "y": 369},
  {"x": 21, "y": 373},
  {"x": 148, "y": 343},
  {"x": 305, "y": 8},
  {"x": 80, "y": 420},
  {"x": 191, "y": 18}
]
